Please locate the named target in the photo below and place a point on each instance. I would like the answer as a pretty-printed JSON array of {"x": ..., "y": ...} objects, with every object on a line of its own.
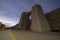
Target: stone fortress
[{"x": 37, "y": 21}]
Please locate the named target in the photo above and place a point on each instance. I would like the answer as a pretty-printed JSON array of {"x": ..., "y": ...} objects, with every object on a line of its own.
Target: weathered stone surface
[
  {"x": 53, "y": 18},
  {"x": 39, "y": 22},
  {"x": 24, "y": 23}
]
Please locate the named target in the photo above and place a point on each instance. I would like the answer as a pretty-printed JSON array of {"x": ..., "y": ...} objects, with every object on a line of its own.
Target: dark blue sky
[{"x": 10, "y": 10}]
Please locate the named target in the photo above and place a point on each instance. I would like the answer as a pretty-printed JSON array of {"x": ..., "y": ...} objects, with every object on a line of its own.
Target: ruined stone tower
[{"x": 39, "y": 22}]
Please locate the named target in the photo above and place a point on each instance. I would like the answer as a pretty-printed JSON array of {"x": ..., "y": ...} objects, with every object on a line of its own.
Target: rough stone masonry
[{"x": 38, "y": 23}]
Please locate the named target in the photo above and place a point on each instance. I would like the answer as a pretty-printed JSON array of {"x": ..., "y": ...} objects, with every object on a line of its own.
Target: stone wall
[
  {"x": 53, "y": 18},
  {"x": 24, "y": 21}
]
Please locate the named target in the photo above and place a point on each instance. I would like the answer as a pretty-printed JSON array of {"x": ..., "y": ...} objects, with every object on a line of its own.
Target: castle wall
[
  {"x": 39, "y": 21},
  {"x": 54, "y": 19}
]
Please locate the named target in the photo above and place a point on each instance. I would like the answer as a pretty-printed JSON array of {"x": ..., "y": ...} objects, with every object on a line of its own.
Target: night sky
[{"x": 10, "y": 10}]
